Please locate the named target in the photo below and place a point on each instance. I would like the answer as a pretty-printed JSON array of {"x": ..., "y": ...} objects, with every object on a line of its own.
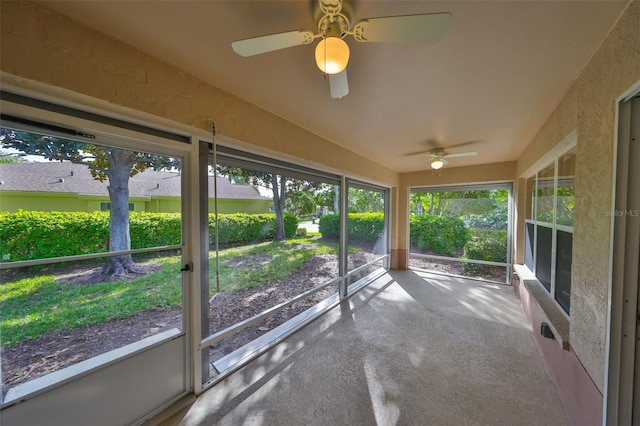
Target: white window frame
[{"x": 553, "y": 225}]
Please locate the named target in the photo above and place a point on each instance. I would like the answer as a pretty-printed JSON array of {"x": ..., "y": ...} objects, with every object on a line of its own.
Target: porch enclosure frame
[{"x": 508, "y": 265}]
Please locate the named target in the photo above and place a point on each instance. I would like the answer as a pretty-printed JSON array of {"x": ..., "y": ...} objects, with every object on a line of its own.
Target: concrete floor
[{"x": 412, "y": 348}]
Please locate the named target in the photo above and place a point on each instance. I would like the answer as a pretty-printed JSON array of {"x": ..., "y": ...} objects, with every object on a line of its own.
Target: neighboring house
[{"x": 64, "y": 186}]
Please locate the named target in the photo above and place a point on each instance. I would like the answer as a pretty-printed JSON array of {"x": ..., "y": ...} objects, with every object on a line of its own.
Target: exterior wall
[
  {"x": 519, "y": 215},
  {"x": 45, "y": 202},
  {"x": 50, "y": 202},
  {"x": 588, "y": 109},
  {"x": 244, "y": 206},
  {"x": 581, "y": 399}
]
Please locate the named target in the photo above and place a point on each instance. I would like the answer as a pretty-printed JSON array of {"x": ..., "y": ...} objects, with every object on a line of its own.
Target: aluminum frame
[
  {"x": 483, "y": 186},
  {"x": 622, "y": 373},
  {"x": 107, "y": 131}
]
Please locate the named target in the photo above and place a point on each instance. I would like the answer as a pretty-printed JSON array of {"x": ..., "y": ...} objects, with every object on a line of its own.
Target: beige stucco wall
[{"x": 589, "y": 109}]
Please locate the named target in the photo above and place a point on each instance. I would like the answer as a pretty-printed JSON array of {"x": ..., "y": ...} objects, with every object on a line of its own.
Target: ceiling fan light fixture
[
  {"x": 437, "y": 164},
  {"x": 332, "y": 55}
]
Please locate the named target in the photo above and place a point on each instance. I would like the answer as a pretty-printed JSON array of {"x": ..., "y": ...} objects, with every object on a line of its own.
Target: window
[
  {"x": 549, "y": 226},
  {"x": 107, "y": 206}
]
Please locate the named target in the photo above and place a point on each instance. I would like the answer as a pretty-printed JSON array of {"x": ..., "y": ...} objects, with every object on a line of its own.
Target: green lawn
[{"x": 30, "y": 307}]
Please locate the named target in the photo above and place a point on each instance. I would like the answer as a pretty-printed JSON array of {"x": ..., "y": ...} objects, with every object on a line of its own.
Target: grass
[{"x": 31, "y": 307}]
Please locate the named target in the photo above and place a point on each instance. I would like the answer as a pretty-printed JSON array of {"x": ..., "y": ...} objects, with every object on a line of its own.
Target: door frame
[
  {"x": 139, "y": 379},
  {"x": 624, "y": 287}
]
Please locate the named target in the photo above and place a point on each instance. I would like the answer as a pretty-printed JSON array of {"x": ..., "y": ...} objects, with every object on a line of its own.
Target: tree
[
  {"x": 364, "y": 201},
  {"x": 7, "y": 157},
  {"x": 280, "y": 186},
  {"x": 116, "y": 165},
  {"x": 300, "y": 203}
]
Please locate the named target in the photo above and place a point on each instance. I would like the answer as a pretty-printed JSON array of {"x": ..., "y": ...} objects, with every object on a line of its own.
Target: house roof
[{"x": 65, "y": 177}]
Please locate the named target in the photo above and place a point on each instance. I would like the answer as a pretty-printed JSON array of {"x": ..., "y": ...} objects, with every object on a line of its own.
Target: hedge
[
  {"x": 27, "y": 235},
  {"x": 243, "y": 227},
  {"x": 438, "y": 234},
  {"x": 362, "y": 226}
]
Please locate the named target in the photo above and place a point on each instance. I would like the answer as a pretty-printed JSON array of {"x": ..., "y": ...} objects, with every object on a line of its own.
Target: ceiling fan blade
[
  {"x": 458, "y": 145},
  {"x": 461, "y": 154},
  {"x": 424, "y": 151},
  {"x": 339, "y": 85},
  {"x": 269, "y": 43},
  {"x": 426, "y": 28}
]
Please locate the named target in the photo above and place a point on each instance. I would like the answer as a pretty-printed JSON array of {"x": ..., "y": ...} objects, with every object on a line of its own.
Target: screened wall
[
  {"x": 194, "y": 294},
  {"x": 462, "y": 230},
  {"x": 271, "y": 273}
]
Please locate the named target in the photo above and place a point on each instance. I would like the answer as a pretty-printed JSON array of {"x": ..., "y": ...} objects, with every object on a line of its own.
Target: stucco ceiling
[{"x": 495, "y": 78}]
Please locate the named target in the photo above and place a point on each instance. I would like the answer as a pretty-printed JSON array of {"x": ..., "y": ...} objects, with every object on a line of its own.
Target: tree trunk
[
  {"x": 279, "y": 192},
  {"x": 119, "y": 237}
]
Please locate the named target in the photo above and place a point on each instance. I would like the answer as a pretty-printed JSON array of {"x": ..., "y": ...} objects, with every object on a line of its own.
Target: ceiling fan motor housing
[
  {"x": 437, "y": 152},
  {"x": 328, "y": 12}
]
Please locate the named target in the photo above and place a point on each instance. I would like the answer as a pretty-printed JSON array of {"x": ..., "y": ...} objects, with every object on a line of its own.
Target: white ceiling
[{"x": 495, "y": 78}]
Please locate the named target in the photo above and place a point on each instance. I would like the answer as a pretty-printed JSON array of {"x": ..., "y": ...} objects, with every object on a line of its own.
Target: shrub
[
  {"x": 438, "y": 234},
  {"x": 366, "y": 226},
  {"x": 495, "y": 219},
  {"x": 485, "y": 244},
  {"x": 329, "y": 225},
  {"x": 362, "y": 226},
  {"x": 28, "y": 235}
]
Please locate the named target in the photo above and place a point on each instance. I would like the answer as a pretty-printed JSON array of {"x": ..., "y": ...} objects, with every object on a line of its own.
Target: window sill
[{"x": 557, "y": 320}]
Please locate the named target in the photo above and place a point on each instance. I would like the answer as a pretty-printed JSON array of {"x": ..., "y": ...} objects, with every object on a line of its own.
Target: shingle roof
[{"x": 64, "y": 177}]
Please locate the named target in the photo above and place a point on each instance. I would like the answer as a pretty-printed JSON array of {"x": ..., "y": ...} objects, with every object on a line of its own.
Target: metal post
[
  {"x": 203, "y": 203},
  {"x": 343, "y": 261}
]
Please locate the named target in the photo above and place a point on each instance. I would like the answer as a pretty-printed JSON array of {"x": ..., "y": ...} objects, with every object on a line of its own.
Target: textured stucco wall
[{"x": 589, "y": 109}]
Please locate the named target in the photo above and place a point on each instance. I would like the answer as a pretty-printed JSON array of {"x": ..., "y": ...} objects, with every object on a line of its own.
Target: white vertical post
[
  {"x": 203, "y": 272},
  {"x": 343, "y": 262}
]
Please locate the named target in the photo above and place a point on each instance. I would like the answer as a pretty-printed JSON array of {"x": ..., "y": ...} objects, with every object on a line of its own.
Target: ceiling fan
[
  {"x": 334, "y": 20},
  {"x": 437, "y": 155}
]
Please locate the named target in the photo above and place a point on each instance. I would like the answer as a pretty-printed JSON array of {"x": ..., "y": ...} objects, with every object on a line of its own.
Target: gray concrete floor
[{"x": 412, "y": 348}]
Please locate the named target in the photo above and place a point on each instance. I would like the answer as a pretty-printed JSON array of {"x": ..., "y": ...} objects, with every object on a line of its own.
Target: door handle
[{"x": 186, "y": 268}]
